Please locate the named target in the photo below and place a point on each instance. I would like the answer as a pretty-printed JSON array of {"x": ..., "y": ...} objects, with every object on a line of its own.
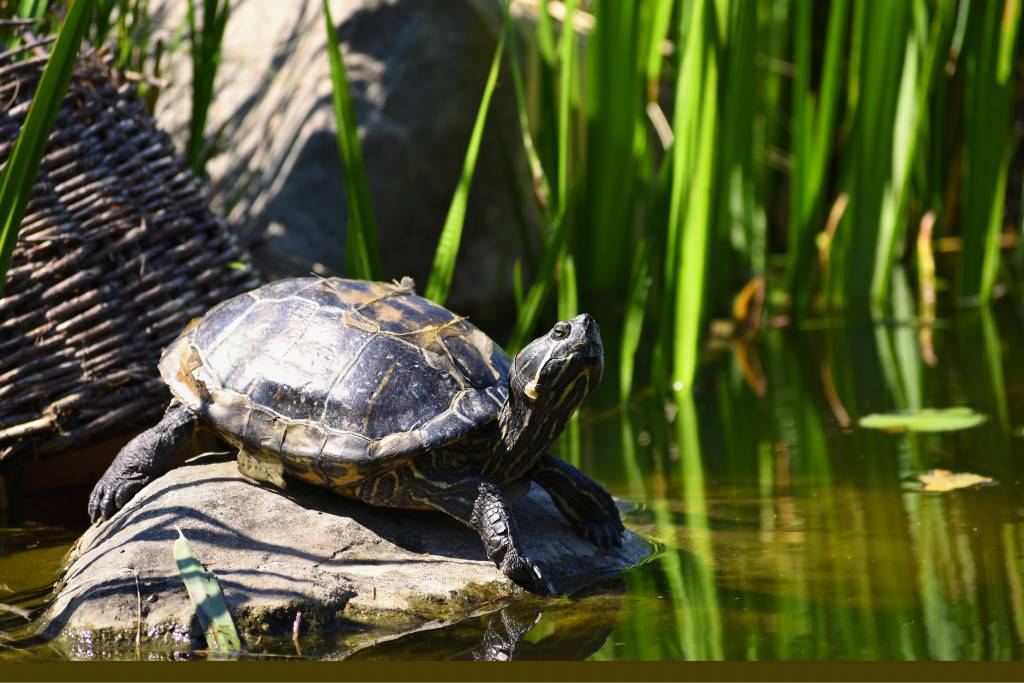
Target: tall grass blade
[
  {"x": 362, "y": 256},
  {"x": 739, "y": 214},
  {"x": 920, "y": 64},
  {"x": 660, "y": 19},
  {"x": 702, "y": 629},
  {"x": 207, "y": 598},
  {"x": 568, "y": 307},
  {"x": 32, "y": 9},
  {"x": 615, "y": 113},
  {"x": 19, "y": 173},
  {"x": 25, "y": 9},
  {"x": 517, "y": 284},
  {"x": 539, "y": 289},
  {"x": 859, "y": 257},
  {"x": 994, "y": 27},
  {"x": 102, "y": 21},
  {"x": 542, "y": 188},
  {"x": 206, "y": 50},
  {"x": 451, "y": 234},
  {"x": 134, "y": 31},
  {"x": 547, "y": 137},
  {"x": 636, "y": 307},
  {"x": 813, "y": 132},
  {"x": 693, "y": 167},
  {"x": 566, "y": 53},
  {"x": 556, "y": 249},
  {"x": 545, "y": 33}
]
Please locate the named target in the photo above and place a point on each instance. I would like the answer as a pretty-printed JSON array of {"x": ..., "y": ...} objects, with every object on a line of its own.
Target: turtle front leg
[
  {"x": 493, "y": 520},
  {"x": 504, "y": 635},
  {"x": 588, "y": 507},
  {"x": 474, "y": 501},
  {"x": 141, "y": 460}
]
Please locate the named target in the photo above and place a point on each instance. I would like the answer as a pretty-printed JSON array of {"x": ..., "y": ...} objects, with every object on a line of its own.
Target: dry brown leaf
[{"x": 945, "y": 480}]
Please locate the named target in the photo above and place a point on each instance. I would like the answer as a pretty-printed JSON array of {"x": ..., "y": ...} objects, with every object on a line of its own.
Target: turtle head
[{"x": 557, "y": 371}]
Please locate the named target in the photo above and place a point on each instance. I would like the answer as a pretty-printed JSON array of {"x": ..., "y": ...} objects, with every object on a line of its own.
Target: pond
[{"x": 784, "y": 529}]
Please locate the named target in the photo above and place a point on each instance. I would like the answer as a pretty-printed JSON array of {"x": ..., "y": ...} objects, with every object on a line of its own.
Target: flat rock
[{"x": 367, "y": 574}]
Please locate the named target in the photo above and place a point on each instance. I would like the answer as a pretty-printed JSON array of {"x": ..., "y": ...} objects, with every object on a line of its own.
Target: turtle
[{"x": 383, "y": 396}]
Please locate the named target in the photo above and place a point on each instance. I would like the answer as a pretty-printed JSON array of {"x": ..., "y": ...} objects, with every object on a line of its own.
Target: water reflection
[
  {"x": 788, "y": 531},
  {"x": 529, "y": 628},
  {"x": 794, "y": 534}
]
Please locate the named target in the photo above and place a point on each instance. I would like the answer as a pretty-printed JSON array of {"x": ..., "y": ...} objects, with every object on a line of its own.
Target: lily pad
[
  {"x": 944, "y": 480},
  {"x": 924, "y": 420}
]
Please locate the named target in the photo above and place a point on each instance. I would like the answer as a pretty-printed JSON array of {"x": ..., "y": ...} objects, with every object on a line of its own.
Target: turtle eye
[{"x": 560, "y": 331}]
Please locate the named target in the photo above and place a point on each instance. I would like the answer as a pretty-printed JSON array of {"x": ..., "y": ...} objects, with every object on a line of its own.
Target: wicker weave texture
[{"x": 117, "y": 252}]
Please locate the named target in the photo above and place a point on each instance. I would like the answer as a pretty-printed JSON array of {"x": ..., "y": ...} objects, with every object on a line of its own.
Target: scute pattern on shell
[{"x": 340, "y": 378}]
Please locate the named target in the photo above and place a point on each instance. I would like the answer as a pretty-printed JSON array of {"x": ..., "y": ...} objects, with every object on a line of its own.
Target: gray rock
[
  {"x": 417, "y": 71},
  {"x": 366, "y": 574}
]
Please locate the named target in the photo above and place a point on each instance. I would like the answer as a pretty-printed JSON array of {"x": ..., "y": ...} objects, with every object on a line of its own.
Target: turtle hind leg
[{"x": 141, "y": 460}]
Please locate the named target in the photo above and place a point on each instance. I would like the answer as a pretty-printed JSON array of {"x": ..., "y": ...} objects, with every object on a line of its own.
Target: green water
[{"x": 788, "y": 532}]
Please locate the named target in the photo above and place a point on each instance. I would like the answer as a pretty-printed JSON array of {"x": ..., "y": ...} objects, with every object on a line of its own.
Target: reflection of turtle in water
[
  {"x": 503, "y": 635},
  {"x": 522, "y": 629},
  {"x": 383, "y": 396}
]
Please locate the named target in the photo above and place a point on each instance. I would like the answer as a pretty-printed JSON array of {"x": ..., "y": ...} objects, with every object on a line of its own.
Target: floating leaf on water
[
  {"x": 207, "y": 598},
  {"x": 924, "y": 420},
  {"x": 945, "y": 480}
]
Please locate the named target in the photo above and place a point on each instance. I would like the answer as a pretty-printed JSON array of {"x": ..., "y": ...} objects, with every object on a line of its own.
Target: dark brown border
[{"x": 534, "y": 672}]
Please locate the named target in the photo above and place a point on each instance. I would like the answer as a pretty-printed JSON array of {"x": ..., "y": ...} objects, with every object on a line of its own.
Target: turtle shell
[{"x": 339, "y": 379}]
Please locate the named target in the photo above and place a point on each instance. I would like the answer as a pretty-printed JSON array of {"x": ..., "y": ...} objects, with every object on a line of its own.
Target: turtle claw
[
  {"x": 527, "y": 574},
  {"x": 605, "y": 534},
  {"x": 548, "y": 586},
  {"x": 140, "y": 461},
  {"x": 110, "y": 495}
]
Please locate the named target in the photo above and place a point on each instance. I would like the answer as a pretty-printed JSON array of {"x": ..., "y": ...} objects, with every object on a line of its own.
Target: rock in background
[
  {"x": 417, "y": 71},
  {"x": 360, "y": 573}
]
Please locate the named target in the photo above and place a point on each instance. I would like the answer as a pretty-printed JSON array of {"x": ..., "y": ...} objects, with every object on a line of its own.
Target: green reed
[
  {"x": 362, "y": 255},
  {"x": 813, "y": 130},
  {"x": 205, "y": 43},
  {"x": 812, "y": 136},
  {"x": 22, "y": 166},
  {"x": 679, "y": 147},
  {"x": 992, "y": 33},
  {"x": 451, "y": 233}
]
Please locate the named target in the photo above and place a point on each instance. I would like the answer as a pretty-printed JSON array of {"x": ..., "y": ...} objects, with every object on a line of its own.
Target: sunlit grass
[
  {"x": 846, "y": 108},
  {"x": 22, "y": 166},
  {"x": 451, "y": 233},
  {"x": 362, "y": 255},
  {"x": 205, "y": 43},
  {"x": 677, "y": 148},
  {"x": 814, "y": 121},
  {"x": 992, "y": 33}
]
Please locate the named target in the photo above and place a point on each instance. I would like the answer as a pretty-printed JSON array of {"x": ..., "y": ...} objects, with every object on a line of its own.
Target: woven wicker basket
[{"x": 117, "y": 252}]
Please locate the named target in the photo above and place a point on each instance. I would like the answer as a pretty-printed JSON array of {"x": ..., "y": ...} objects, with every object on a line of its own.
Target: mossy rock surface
[{"x": 358, "y": 574}]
